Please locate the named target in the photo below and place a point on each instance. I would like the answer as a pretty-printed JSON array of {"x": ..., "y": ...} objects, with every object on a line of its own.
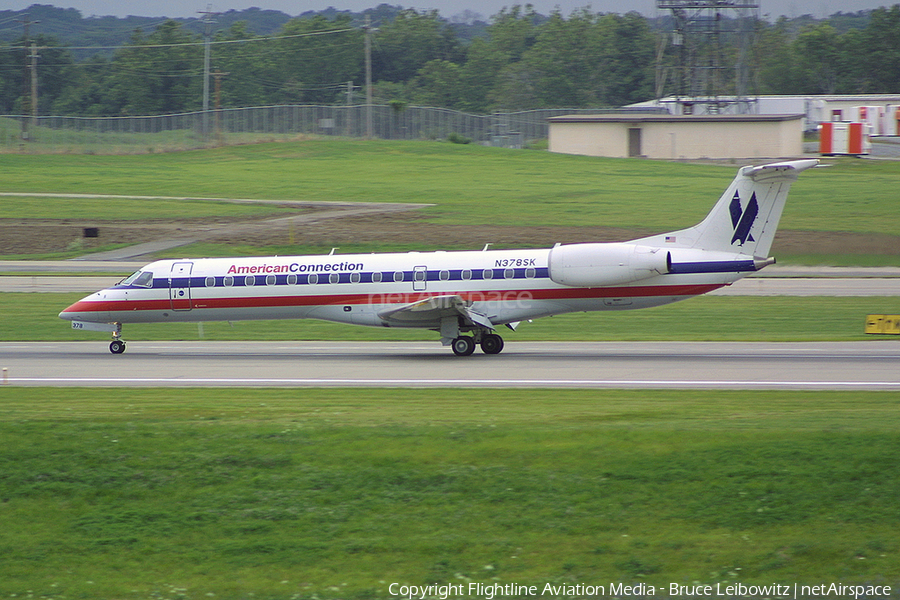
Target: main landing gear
[
  {"x": 117, "y": 345},
  {"x": 464, "y": 345}
]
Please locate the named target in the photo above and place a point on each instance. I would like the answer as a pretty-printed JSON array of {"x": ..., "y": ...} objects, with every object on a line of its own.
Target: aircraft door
[
  {"x": 180, "y": 285},
  {"x": 420, "y": 276}
]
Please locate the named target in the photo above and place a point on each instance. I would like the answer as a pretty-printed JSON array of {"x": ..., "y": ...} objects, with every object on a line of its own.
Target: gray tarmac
[{"x": 622, "y": 365}]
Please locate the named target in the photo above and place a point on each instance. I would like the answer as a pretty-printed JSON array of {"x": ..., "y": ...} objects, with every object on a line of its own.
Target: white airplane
[{"x": 465, "y": 296}]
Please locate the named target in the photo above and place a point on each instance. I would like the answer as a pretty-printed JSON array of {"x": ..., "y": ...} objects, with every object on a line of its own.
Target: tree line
[{"x": 522, "y": 60}]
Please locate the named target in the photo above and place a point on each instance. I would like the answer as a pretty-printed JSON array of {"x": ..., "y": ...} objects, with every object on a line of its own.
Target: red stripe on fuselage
[{"x": 132, "y": 304}]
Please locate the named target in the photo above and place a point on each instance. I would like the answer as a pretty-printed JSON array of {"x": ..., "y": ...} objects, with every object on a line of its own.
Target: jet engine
[{"x": 598, "y": 265}]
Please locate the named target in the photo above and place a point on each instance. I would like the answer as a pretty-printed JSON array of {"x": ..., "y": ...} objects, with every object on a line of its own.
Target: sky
[{"x": 447, "y": 8}]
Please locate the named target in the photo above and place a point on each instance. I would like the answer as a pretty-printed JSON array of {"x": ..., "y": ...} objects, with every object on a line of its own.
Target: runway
[{"x": 648, "y": 365}]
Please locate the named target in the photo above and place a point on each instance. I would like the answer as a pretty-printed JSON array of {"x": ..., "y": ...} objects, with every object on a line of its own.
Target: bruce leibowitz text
[{"x": 491, "y": 591}]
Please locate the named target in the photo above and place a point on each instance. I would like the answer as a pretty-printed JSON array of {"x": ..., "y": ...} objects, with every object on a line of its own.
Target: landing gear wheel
[
  {"x": 117, "y": 346},
  {"x": 491, "y": 343},
  {"x": 464, "y": 345}
]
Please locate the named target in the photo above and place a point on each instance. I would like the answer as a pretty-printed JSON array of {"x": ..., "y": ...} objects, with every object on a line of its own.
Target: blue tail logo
[{"x": 743, "y": 219}]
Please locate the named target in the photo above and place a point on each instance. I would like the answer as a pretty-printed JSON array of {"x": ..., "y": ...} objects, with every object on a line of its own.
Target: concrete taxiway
[{"x": 648, "y": 365}]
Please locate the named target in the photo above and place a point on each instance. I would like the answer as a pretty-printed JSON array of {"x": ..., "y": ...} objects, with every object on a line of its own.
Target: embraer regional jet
[{"x": 465, "y": 296}]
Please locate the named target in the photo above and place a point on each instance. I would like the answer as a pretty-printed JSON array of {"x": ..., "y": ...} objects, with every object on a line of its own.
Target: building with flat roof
[{"x": 678, "y": 136}]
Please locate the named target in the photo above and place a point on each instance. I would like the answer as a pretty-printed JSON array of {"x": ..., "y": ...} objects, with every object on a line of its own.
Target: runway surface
[{"x": 685, "y": 365}]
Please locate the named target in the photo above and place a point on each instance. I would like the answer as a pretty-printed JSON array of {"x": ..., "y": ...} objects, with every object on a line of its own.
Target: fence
[{"x": 135, "y": 135}]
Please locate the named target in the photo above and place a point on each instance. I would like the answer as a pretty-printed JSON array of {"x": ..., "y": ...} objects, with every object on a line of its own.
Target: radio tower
[{"x": 703, "y": 58}]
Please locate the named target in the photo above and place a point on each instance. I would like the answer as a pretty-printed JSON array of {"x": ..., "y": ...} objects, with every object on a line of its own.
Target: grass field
[
  {"x": 196, "y": 493},
  {"x": 337, "y": 494},
  {"x": 469, "y": 185}
]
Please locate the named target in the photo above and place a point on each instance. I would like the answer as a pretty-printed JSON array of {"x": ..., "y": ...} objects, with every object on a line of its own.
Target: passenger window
[
  {"x": 270, "y": 280},
  {"x": 398, "y": 275},
  {"x": 210, "y": 282},
  {"x": 488, "y": 274},
  {"x": 376, "y": 277},
  {"x": 354, "y": 277},
  {"x": 334, "y": 278},
  {"x": 313, "y": 279}
]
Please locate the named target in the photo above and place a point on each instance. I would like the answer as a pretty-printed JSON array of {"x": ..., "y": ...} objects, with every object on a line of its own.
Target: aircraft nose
[
  {"x": 73, "y": 312},
  {"x": 85, "y": 310}
]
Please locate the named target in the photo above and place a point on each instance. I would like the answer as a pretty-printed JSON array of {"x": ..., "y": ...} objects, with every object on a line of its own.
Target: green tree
[
  {"x": 881, "y": 43},
  {"x": 856, "y": 72},
  {"x": 438, "y": 84},
  {"x": 249, "y": 63},
  {"x": 585, "y": 60},
  {"x": 87, "y": 90},
  {"x": 626, "y": 61},
  {"x": 478, "y": 76},
  {"x": 315, "y": 57},
  {"x": 158, "y": 74},
  {"x": 818, "y": 53},
  {"x": 411, "y": 40},
  {"x": 774, "y": 59}
]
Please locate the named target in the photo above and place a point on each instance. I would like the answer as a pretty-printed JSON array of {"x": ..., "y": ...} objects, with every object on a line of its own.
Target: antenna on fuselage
[
  {"x": 332, "y": 251},
  {"x": 486, "y": 246}
]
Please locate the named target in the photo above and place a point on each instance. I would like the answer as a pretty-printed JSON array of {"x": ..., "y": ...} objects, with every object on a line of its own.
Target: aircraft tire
[
  {"x": 491, "y": 343},
  {"x": 464, "y": 345},
  {"x": 117, "y": 346}
]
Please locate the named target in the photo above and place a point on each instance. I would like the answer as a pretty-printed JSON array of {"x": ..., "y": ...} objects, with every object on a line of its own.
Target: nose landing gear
[{"x": 117, "y": 345}]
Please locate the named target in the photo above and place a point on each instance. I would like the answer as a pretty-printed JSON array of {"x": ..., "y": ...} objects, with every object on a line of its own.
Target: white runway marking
[{"x": 495, "y": 383}]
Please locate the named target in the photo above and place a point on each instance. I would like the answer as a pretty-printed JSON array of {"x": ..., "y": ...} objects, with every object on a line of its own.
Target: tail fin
[{"x": 746, "y": 216}]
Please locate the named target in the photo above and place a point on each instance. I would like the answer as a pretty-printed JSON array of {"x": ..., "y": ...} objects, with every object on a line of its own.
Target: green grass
[
  {"x": 132, "y": 209},
  {"x": 194, "y": 493},
  {"x": 33, "y": 317},
  {"x": 470, "y": 184}
]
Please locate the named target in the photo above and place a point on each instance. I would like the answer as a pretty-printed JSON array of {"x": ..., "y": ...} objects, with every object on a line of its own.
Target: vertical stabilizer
[{"x": 744, "y": 219}]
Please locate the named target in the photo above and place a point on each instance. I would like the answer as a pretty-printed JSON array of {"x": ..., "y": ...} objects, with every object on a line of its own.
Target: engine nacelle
[{"x": 598, "y": 265}]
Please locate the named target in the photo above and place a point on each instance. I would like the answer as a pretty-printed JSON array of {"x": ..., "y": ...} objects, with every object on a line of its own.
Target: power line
[{"x": 186, "y": 44}]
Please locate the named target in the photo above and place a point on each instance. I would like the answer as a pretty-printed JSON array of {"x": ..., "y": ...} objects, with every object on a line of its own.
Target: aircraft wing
[{"x": 433, "y": 310}]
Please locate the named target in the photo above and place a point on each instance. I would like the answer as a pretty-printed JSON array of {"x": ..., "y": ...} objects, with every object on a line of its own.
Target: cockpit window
[
  {"x": 130, "y": 279},
  {"x": 145, "y": 279},
  {"x": 139, "y": 278}
]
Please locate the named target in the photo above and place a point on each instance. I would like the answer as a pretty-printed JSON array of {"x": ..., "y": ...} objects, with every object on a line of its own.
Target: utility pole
[
  {"x": 349, "y": 108},
  {"x": 208, "y": 21},
  {"x": 29, "y": 85},
  {"x": 34, "y": 85},
  {"x": 219, "y": 75},
  {"x": 368, "y": 29}
]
